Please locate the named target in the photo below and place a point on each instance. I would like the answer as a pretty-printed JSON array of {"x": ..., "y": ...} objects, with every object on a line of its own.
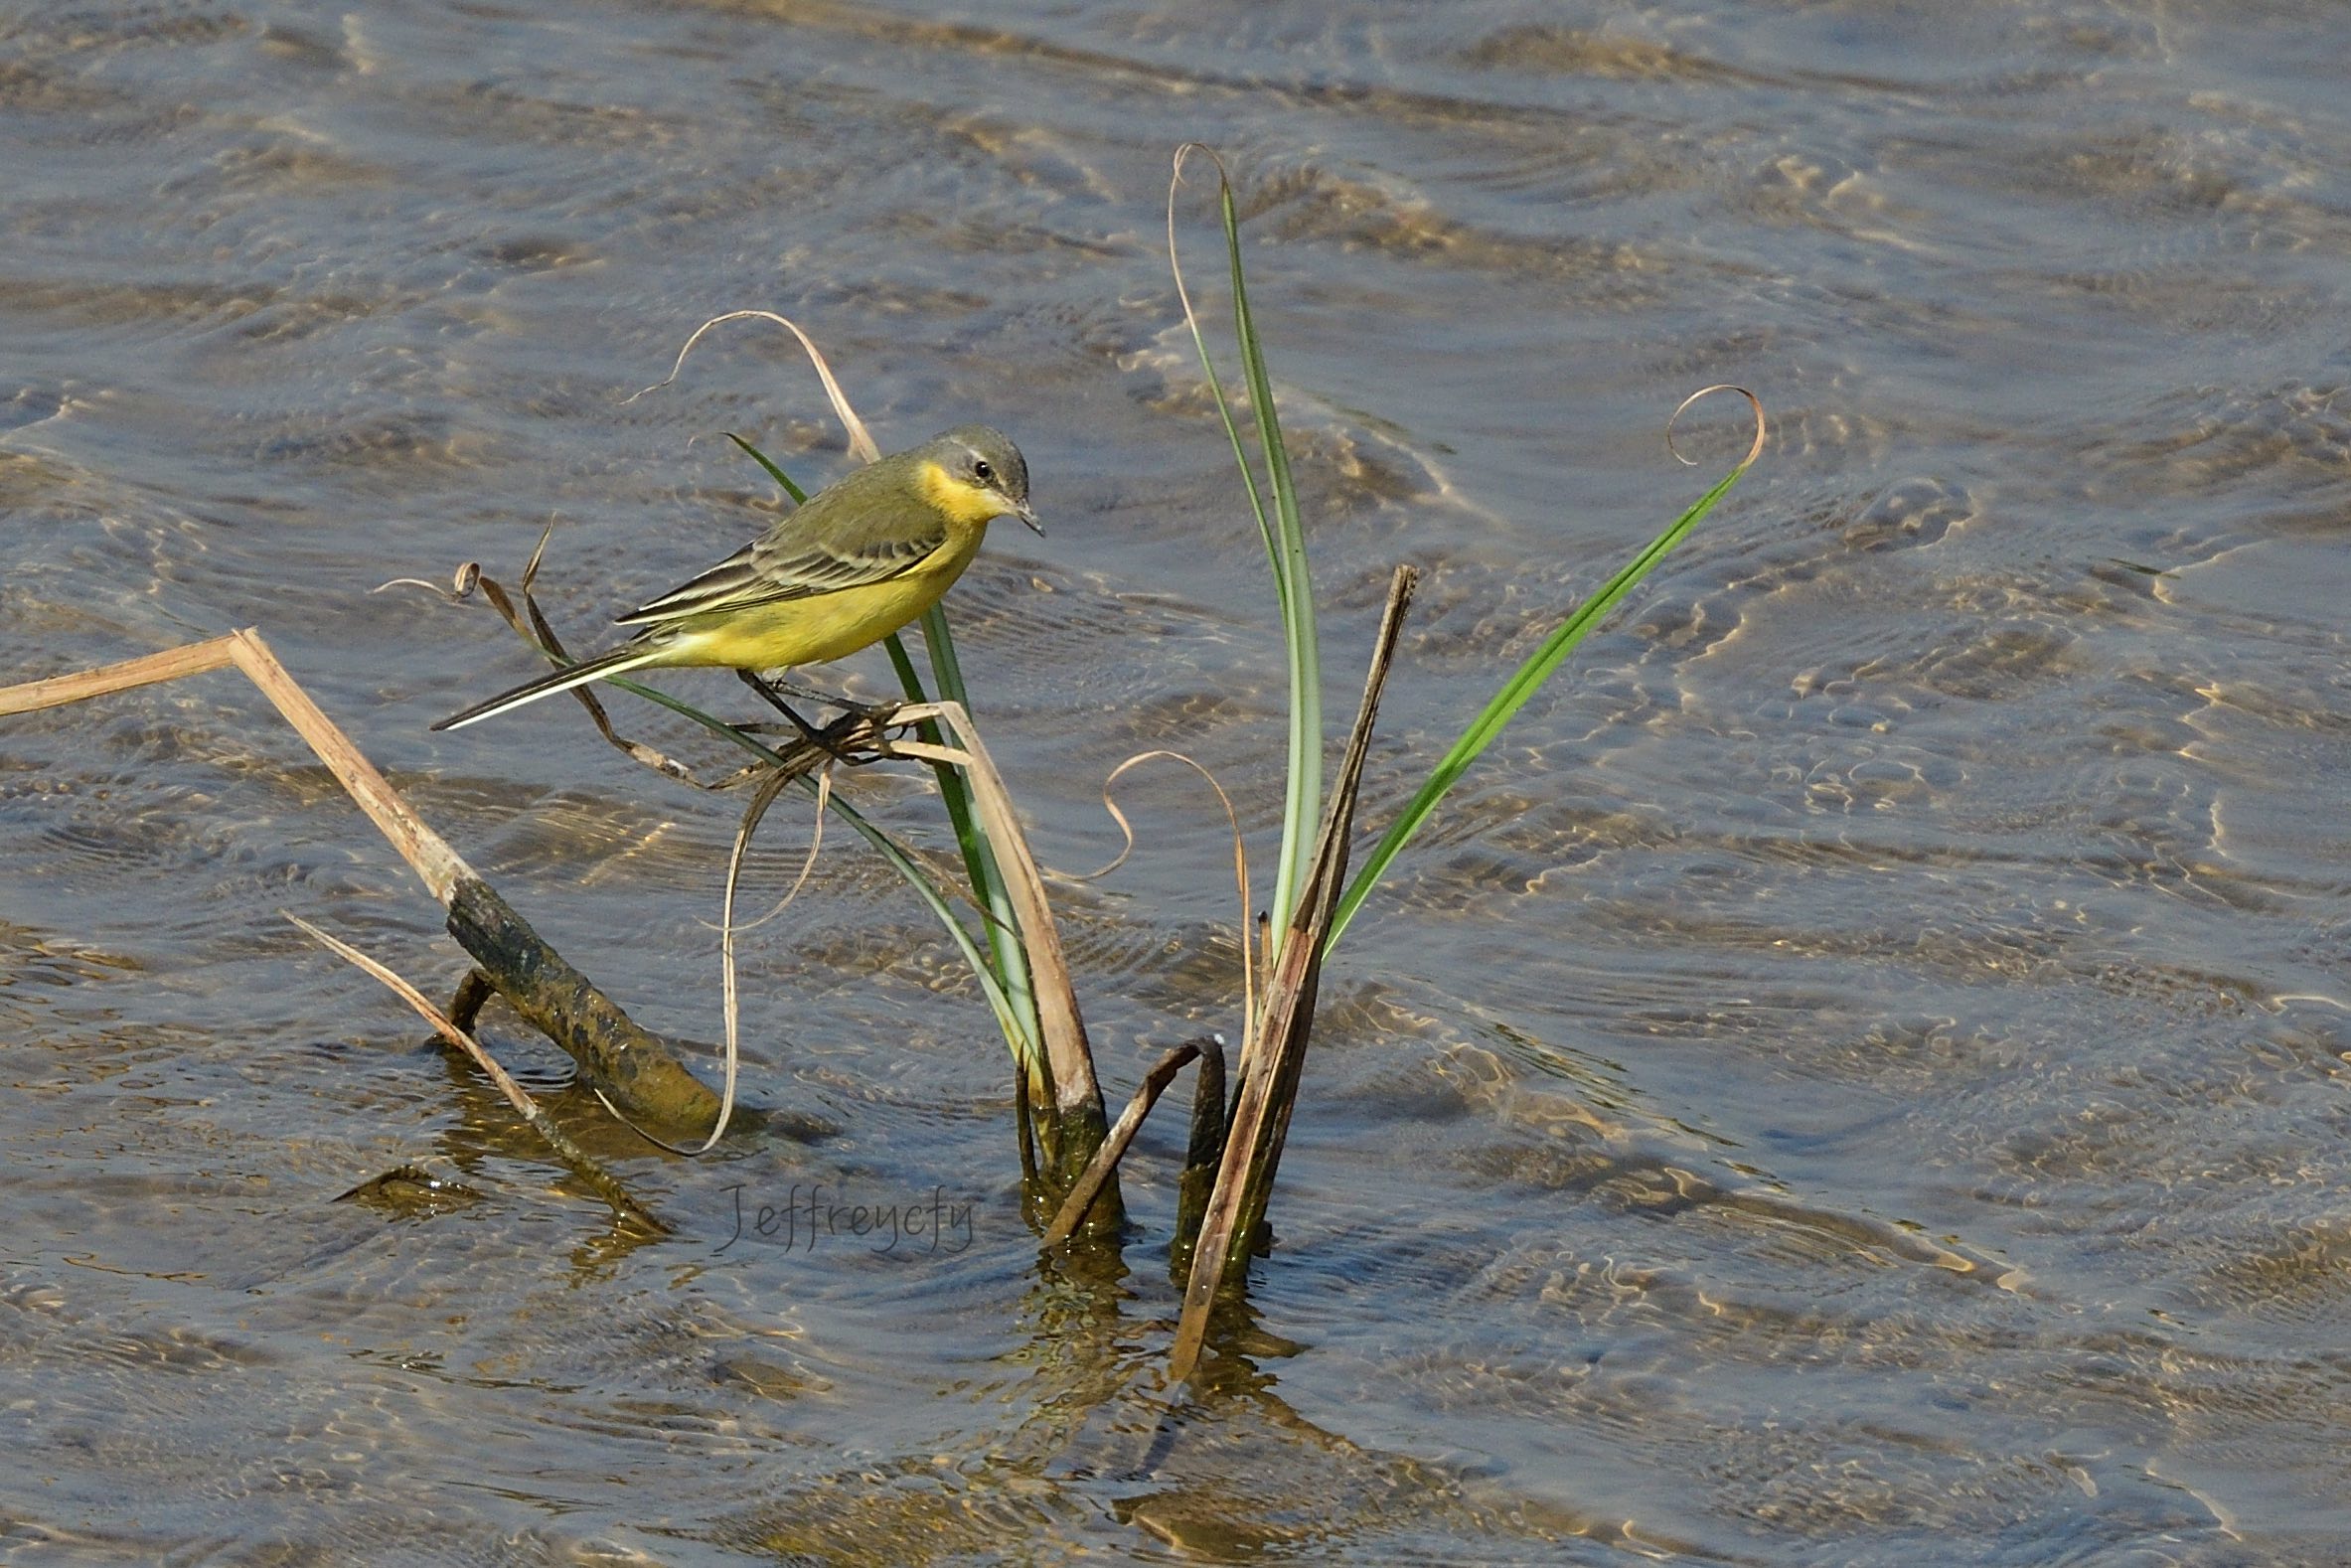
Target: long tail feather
[{"x": 628, "y": 656}]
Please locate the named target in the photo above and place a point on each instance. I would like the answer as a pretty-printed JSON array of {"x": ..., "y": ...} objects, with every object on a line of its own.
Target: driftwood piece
[
  {"x": 629, "y": 1062},
  {"x": 637, "y": 1068}
]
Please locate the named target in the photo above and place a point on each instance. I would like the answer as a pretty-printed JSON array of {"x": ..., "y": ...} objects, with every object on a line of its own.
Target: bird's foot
[{"x": 838, "y": 739}]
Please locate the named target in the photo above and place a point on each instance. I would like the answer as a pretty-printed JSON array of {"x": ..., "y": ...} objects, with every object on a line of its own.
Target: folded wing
[{"x": 841, "y": 539}]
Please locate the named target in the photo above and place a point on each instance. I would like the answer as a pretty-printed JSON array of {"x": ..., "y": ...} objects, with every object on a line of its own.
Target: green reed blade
[
  {"x": 1302, "y": 802},
  {"x": 1285, "y": 544},
  {"x": 979, "y": 857},
  {"x": 1224, "y": 411},
  {"x": 1505, "y": 704},
  {"x": 797, "y": 494}
]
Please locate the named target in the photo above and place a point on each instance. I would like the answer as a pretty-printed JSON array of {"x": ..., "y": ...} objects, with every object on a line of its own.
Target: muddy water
[{"x": 1858, "y": 1077}]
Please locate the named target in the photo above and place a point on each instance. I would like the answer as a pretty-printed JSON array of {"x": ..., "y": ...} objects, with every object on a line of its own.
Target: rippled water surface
[{"x": 1858, "y": 1077}]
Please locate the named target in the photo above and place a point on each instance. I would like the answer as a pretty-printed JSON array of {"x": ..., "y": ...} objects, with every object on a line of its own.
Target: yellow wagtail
[{"x": 857, "y": 561}]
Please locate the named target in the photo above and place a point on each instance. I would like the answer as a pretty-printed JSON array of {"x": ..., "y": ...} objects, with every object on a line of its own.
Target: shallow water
[{"x": 1858, "y": 1076}]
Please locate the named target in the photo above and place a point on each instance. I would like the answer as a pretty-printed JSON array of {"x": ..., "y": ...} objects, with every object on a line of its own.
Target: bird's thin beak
[{"x": 1027, "y": 515}]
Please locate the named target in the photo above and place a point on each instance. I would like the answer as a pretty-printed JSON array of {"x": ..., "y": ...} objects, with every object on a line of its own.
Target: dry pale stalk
[
  {"x": 636, "y": 1065},
  {"x": 1276, "y": 1051},
  {"x": 1069, "y": 1058}
]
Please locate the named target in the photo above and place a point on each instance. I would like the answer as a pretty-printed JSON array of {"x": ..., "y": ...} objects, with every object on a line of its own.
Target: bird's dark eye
[{"x": 981, "y": 471}]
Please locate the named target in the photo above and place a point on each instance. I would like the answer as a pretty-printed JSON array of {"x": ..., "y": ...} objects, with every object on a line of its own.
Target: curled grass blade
[
  {"x": 1241, "y": 862},
  {"x": 900, "y": 858},
  {"x": 1530, "y": 678},
  {"x": 860, "y": 439}
]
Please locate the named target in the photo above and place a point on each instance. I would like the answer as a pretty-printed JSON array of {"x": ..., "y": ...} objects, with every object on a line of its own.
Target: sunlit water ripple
[{"x": 1853, "y": 1078}]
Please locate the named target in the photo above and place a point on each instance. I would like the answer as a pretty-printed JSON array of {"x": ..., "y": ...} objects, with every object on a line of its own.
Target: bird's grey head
[{"x": 986, "y": 457}]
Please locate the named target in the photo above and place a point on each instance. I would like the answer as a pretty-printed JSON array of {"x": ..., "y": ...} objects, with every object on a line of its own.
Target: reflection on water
[{"x": 1856, "y": 1077}]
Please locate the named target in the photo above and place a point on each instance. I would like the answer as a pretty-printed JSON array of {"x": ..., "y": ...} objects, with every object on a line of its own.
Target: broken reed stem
[
  {"x": 576, "y": 1159},
  {"x": 147, "y": 669},
  {"x": 1114, "y": 1148},
  {"x": 1202, "y": 1153},
  {"x": 1071, "y": 1136},
  {"x": 1275, "y": 1052},
  {"x": 637, "y": 1065},
  {"x": 424, "y": 850}
]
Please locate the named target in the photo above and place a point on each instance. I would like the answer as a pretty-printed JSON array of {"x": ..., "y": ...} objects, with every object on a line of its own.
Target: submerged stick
[
  {"x": 636, "y": 1065},
  {"x": 1277, "y": 1051},
  {"x": 630, "y": 1062},
  {"x": 576, "y": 1159}
]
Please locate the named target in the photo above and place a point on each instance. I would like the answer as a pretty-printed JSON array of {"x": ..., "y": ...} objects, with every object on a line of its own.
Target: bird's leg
[
  {"x": 769, "y": 692},
  {"x": 871, "y": 711},
  {"x": 824, "y": 739}
]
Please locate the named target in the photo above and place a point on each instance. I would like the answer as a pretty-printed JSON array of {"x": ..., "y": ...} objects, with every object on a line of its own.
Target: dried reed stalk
[
  {"x": 1074, "y": 1131},
  {"x": 1147, "y": 1094},
  {"x": 1204, "y": 1152},
  {"x": 1276, "y": 1050}
]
